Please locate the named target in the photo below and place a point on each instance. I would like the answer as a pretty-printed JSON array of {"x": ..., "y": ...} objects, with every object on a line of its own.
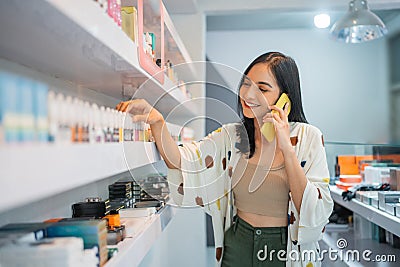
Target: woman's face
[{"x": 258, "y": 90}]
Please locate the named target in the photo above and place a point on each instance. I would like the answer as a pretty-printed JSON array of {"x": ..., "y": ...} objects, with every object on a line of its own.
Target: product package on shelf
[
  {"x": 93, "y": 233},
  {"x": 356, "y": 169},
  {"x": 30, "y": 241},
  {"x": 129, "y": 21},
  {"x": 150, "y": 36},
  {"x": 30, "y": 113},
  {"x": 23, "y": 109},
  {"x": 67, "y": 251}
]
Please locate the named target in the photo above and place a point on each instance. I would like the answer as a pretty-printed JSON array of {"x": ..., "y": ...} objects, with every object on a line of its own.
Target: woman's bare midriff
[{"x": 257, "y": 220}]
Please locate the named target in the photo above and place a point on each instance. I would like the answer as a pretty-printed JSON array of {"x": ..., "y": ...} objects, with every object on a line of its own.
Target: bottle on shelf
[
  {"x": 108, "y": 124},
  {"x": 97, "y": 132},
  {"x": 66, "y": 119},
  {"x": 86, "y": 122},
  {"x": 27, "y": 120},
  {"x": 53, "y": 118},
  {"x": 40, "y": 108}
]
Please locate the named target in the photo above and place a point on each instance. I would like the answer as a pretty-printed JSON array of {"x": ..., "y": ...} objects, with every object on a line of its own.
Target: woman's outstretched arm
[{"x": 141, "y": 110}]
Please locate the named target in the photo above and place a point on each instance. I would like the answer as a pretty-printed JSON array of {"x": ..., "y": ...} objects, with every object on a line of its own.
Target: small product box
[
  {"x": 376, "y": 174},
  {"x": 395, "y": 178},
  {"x": 360, "y": 195},
  {"x": 391, "y": 208},
  {"x": 388, "y": 197},
  {"x": 398, "y": 210},
  {"x": 375, "y": 202},
  {"x": 137, "y": 212},
  {"x": 368, "y": 196}
]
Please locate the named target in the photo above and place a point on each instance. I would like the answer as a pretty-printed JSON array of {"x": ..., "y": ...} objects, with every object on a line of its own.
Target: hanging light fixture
[{"x": 358, "y": 25}]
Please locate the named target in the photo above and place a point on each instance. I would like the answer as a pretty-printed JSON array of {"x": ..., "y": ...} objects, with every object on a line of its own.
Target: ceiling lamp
[
  {"x": 358, "y": 25},
  {"x": 322, "y": 21}
]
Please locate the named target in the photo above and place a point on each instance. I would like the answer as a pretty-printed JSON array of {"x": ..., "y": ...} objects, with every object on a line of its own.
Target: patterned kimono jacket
[{"x": 205, "y": 180}]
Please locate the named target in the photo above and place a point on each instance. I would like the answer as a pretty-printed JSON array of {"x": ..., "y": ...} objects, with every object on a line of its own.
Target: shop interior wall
[
  {"x": 344, "y": 86},
  {"x": 183, "y": 242},
  {"x": 184, "y": 239}
]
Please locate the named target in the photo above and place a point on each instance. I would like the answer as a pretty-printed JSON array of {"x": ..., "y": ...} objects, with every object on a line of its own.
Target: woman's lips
[{"x": 252, "y": 105}]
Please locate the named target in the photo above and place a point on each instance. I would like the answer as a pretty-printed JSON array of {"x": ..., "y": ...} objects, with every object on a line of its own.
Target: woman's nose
[{"x": 249, "y": 93}]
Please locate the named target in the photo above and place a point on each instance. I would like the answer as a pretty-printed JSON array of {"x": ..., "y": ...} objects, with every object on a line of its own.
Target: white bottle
[
  {"x": 64, "y": 121},
  {"x": 41, "y": 112},
  {"x": 86, "y": 118},
  {"x": 80, "y": 117},
  {"x": 74, "y": 111},
  {"x": 128, "y": 127},
  {"x": 97, "y": 135},
  {"x": 26, "y": 107},
  {"x": 116, "y": 123},
  {"x": 103, "y": 123},
  {"x": 109, "y": 124},
  {"x": 54, "y": 116},
  {"x": 121, "y": 126}
]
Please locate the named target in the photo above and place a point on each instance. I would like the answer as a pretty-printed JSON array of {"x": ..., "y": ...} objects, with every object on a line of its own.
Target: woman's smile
[{"x": 250, "y": 105}]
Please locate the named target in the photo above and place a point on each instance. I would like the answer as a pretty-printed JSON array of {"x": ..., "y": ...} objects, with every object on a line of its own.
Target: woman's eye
[
  {"x": 247, "y": 84},
  {"x": 263, "y": 90}
]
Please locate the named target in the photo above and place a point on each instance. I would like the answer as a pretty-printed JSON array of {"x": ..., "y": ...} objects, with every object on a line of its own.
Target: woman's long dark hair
[{"x": 285, "y": 71}]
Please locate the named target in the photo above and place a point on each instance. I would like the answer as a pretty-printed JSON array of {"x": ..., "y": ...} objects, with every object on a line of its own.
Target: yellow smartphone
[{"x": 268, "y": 129}]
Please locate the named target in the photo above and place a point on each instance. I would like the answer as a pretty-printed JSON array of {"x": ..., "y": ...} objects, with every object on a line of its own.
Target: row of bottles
[
  {"x": 30, "y": 112},
  {"x": 74, "y": 120}
]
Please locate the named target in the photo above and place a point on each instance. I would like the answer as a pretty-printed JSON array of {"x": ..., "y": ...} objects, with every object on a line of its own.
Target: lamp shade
[{"x": 358, "y": 25}]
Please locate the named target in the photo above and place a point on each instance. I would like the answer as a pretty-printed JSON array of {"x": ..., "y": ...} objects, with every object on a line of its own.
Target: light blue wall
[{"x": 344, "y": 86}]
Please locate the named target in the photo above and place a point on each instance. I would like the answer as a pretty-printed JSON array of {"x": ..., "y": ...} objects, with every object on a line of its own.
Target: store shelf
[
  {"x": 147, "y": 230},
  {"x": 76, "y": 41},
  {"x": 34, "y": 172},
  {"x": 177, "y": 107},
  {"x": 186, "y": 72},
  {"x": 385, "y": 220}
]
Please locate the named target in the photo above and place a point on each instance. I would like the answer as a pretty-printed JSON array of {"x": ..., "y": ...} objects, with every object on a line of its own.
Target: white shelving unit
[
  {"x": 385, "y": 220},
  {"x": 189, "y": 70},
  {"x": 76, "y": 41},
  {"x": 146, "y": 230},
  {"x": 34, "y": 172}
]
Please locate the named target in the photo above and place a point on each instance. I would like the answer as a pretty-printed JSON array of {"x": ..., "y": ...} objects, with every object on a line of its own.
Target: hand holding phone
[{"x": 268, "y": 129}]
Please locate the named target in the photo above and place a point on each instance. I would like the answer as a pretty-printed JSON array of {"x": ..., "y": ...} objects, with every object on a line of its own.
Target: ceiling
[{"x": 272, "y": 14}]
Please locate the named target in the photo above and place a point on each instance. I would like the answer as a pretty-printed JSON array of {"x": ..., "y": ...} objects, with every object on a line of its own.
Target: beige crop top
[{"x": 271, "y": 198}]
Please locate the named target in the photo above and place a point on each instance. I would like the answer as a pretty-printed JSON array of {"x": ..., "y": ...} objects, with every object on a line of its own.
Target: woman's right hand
[{"x": 141, "y": 110}]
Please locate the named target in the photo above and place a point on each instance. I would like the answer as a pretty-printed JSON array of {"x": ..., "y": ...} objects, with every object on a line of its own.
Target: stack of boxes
[
  {"x": 353, "y": 170},
  {"x": 350, "y": 170}
]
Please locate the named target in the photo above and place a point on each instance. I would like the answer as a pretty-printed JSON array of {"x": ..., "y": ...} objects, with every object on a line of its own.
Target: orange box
[
  {"x": 346, "y": 159},
  {"x": 53, "y": 220},
  {"x": 362, "y": 166},
  {"x": 345, "y": 186},
  {"x": 350, "y": 178},
  {"x": 366, "y": 157},
  {"x": 394, "y": 157},
  {"x": 349, "y": 169},
  {"x": 113, "y": 220}
]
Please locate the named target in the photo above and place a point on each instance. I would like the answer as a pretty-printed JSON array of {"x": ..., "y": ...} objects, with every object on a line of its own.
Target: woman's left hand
[{"x": 282, "y": 127}]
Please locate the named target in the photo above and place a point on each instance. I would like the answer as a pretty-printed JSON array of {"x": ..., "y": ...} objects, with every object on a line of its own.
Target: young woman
[{"x": 269, "y": 200}]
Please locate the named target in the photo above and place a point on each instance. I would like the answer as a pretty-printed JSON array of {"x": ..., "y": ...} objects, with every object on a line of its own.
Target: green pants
[{"x": 245, "y": 245}]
